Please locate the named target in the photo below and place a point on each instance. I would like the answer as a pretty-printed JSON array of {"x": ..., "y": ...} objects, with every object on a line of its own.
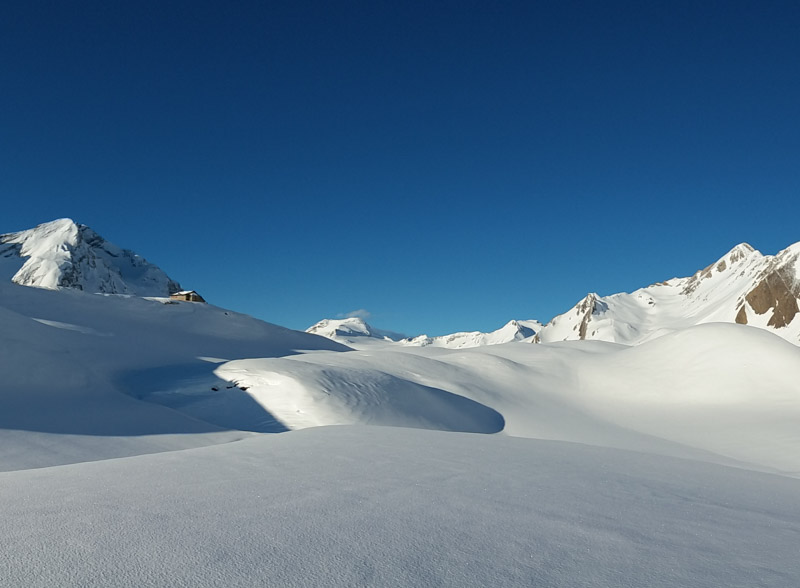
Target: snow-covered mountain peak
[
  {"x": 348, "y": 326},
  {"x": 516, "y": 330},
  {"x": 740, "y": 256},
  {"x": 741, "y": 251},
  {"x": 737, "y": 259},
  {"x": 590, "y": 303},
  {"x": 347, "y": 329},
  {"x": 65, "y": 254},
  {"x": 47, "y": 240}
]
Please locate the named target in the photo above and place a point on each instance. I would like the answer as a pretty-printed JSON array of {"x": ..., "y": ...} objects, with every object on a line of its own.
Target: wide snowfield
[
  {"x": 369, "y": 506},
  {"x": 133, "y": 455}
]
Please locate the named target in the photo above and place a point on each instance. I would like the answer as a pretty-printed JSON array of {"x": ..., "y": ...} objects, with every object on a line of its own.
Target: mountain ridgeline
[{"x": 744, "y": 287}]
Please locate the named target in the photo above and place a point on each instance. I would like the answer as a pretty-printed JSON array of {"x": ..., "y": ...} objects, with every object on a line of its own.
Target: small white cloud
[{"x": 360, "y": 313}]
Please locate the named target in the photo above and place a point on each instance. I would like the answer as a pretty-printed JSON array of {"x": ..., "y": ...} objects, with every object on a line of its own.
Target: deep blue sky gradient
[{"x": 444, "y": 165}]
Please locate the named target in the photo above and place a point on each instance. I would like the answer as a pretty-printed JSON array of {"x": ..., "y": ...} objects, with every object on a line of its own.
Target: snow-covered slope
[
  {"x": 82, "y": 376},
  {"x": 389, "y": 507},
  {"x": 351, "y": 330},
  {"x": 512, "y": 331},
  {"x": 63, "y": 254},
  {"x": 743, "y": 286}
]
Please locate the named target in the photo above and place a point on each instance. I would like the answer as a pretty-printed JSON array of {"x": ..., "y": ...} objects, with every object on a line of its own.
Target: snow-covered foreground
[{"x": 370, "y": 506}]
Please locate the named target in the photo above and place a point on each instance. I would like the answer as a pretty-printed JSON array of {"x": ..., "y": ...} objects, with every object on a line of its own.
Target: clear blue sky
[{"x": 444, "y": 165}]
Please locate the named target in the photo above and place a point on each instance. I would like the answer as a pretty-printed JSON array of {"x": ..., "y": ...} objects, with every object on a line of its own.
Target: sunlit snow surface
[
  {"x": 720, "y": 392},
  {"x": 129, "y": 436}
]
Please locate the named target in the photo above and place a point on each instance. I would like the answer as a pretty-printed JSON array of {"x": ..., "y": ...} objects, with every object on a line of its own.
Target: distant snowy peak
[
  {"x": 64, "y": 254},
  {"x": 349, "y": 329},
  {"x": 356, "y": 330},
  {"x": 743, "y": 286},
  {"x": 512, "y": 331}
]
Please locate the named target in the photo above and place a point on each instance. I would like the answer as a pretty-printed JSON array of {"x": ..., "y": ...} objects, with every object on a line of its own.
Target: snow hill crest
[{"x": 64, "y": 254}]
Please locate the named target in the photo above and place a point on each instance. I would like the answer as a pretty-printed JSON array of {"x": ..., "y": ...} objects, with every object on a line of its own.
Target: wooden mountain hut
[{"x": 187, "y": 295}]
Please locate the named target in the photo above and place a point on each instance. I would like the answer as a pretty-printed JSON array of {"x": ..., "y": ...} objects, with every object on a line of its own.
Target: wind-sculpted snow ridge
[
  {"x": 63, "y": 254},
  {"x": 388, "y": 507},
  {"x": 743, "y": 286},
  {"x": 318, "y": 390}
]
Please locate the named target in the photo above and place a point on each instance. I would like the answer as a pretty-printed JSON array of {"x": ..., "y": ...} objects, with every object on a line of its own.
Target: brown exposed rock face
[
  {"x": 586, "y": 308},
  {"x": 589, "y": 306},
  {"x": 777, "y": 291},
  {"x": 741, "y": 316}
]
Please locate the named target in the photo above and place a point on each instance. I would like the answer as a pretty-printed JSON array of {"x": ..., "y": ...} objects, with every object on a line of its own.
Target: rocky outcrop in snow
[{"x": 64, "y": 254}]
